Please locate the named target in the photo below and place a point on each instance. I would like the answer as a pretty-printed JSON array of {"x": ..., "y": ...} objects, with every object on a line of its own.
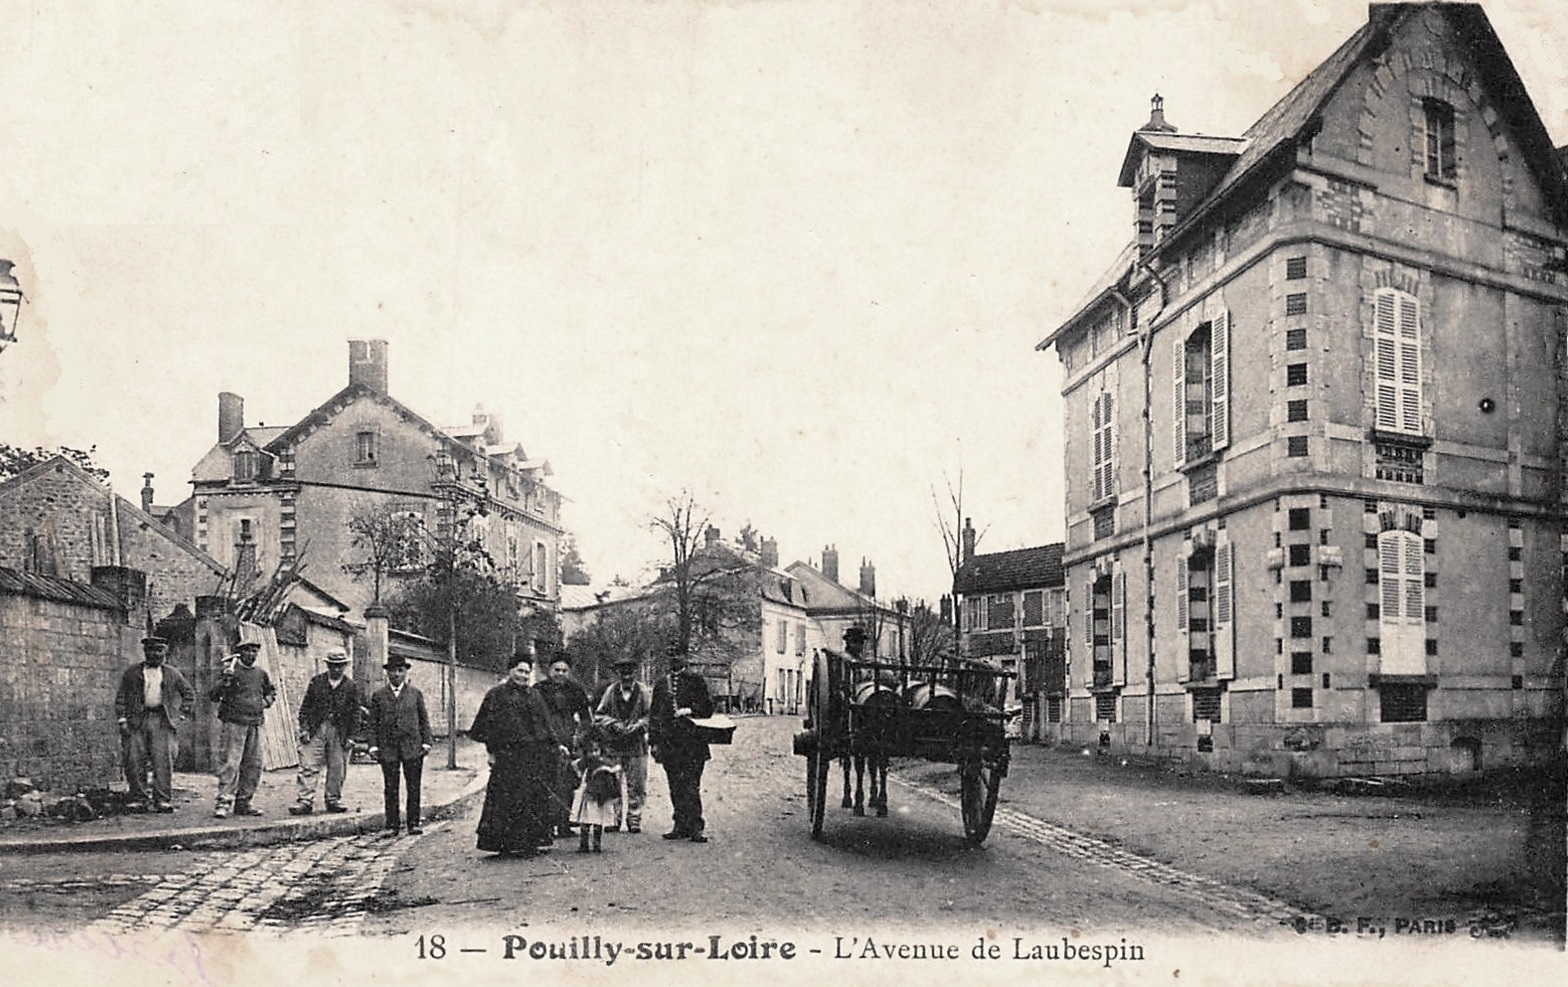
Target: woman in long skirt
[{"x": 512, "y": 724}]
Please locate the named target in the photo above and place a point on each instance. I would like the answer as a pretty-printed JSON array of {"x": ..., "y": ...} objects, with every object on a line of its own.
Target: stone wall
[{"x": 61, "y": 668}]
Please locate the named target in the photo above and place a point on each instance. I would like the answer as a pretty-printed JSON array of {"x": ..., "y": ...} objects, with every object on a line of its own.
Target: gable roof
[
  {"x": 329, "y": 409},
  {"x": 1294, "y": 117},
  {"x": 128, "y": 511},
  {"x": 824, "y": 595},
  {"x": 1020, "y": 568}
]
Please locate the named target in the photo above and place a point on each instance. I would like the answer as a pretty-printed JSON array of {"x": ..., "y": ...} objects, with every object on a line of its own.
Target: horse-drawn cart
[{"x": 867, "y": 712}]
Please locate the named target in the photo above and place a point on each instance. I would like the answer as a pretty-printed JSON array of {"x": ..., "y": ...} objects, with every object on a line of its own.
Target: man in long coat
[{"x": 678, "y": 698}]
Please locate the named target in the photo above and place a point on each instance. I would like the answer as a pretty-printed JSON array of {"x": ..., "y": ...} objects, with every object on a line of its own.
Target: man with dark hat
[
  {"x": 400, "y": 738},
  {"x": 678, "y": 698},
  {"x": 243, "y": 694},
  {"x": 622, "y": 717},
  {"x": 151, "y": 700},
  {"x": 328, "y": 717}
]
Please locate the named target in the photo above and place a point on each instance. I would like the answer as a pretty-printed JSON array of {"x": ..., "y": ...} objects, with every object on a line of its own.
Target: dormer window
[
  {"x": 365, "y": 448},
  {"x": 246, "y": 462},
  {"x": 1439, "y": 126}
]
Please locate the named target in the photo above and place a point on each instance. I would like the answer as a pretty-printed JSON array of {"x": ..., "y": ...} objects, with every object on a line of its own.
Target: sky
[{"x": 793, "y": 257}]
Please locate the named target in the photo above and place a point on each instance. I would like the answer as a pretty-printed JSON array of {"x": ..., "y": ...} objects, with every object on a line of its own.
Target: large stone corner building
[
  {"x": 1314, "y": 425},
  {"x": 263, "y": 495}
]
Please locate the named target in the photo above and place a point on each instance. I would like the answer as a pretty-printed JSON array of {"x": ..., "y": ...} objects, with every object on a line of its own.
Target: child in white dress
[{"x": 601, "y": 793}]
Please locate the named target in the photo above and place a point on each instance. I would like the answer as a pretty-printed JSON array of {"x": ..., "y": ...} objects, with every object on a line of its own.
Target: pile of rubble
[{"x": 24, "y": 802}]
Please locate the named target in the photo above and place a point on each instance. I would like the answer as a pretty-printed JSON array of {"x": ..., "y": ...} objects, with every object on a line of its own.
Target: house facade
[
  {"x": 760, "y": 656},
  {"x": 57, "y": 520},
  {"x": 1013, "y": 611},
  {"x": 262, "y": 496},
  {"x": 1314, "y": 425}
]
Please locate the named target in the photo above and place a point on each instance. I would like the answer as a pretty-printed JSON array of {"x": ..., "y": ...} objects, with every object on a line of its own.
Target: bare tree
[
  {"x": 930, "y": 637},
  {"x": 389, "y": 542},
  {"x": 711, "y": 589},
  {"x": 953, "y": 537}
]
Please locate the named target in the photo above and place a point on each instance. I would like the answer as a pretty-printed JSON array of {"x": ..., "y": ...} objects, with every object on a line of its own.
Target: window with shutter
[
  {"x": 1402, "y": 601},
  {"x": 1179, "y": 399},
  {"x": 1397, "y": 352},
  {"x": 1224, "y": 608},
  {"x": 1119, "y": 626},
  {"x": 1219, "y": 381}
]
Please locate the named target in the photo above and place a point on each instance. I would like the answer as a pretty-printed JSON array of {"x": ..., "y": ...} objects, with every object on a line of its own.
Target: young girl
[{"x": 601, "y": 793}]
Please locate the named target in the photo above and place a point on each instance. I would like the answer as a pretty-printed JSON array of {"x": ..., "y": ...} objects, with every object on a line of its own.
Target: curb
[{"x": 219, "y": 837}]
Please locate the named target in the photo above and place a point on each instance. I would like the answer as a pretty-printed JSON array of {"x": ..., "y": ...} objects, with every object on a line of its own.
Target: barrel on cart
[{"x": 947, "y": 713}]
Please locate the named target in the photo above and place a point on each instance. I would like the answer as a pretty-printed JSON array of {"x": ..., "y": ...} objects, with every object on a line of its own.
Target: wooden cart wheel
[{"x": 979, "y": 784}]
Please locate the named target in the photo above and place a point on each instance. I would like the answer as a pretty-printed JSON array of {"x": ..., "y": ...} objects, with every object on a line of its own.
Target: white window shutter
[
  {"x": 1119, "y": 626},
  {"x": 1088, "y": 616},
  {"x": 1224, "y": 608},
  {"x": 1179, "y": 399},
  {"x": 1409, "y": 365},
  {"x": 1110, "y": 448},
  {"x": 1183, "y": 645},
  {"x": 1219, "y": 381},
  {"x": 1386, "y": 344},
  {"x": 1389, "y": 569},
  {"x": 1415, "y": 580}
]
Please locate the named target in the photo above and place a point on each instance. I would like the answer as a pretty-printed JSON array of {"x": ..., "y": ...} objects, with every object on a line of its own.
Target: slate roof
[
  {"x": 19, "y": 583},
  {"x": 1161, "y": 140},
  {"x": 1020, "y": 568},
  {"x": 1292, "y": 119}
]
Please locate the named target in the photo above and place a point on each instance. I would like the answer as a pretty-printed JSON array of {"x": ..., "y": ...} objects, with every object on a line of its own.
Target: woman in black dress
[
  {"x": 570, "y": 715},
  {"x": 513, "y": 724}
]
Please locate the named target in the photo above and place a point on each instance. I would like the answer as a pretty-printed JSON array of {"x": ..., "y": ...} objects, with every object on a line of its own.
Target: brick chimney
[
  {"x": 968, "y": 541},
  {"x": 868, "y": 578},
  {"x": 367, "y": 363},
  {"x": 710, "y": 537},
  {"x": 147, "y": 492},
  {"x": 231, "y": 415},
  {"x": 770, "y": 553},
  {"x": 830, "y": 563}
]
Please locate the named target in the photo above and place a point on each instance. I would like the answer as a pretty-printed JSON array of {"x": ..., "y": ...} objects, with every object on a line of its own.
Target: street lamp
[{"x": 10, "y": 304}]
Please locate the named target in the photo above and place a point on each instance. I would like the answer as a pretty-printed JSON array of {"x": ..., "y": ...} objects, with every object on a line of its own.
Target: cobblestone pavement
[
  {"x": 1239, "y": 902},
  {"x": 326, "y": 886}
]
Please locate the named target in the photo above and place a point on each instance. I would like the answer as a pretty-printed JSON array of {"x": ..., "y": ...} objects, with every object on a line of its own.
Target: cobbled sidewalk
[{"x": 326, "y": 886}]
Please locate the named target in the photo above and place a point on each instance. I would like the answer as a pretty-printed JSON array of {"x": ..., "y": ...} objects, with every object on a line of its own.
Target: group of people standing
[
  {"x": 154, "y": 698},
  {"x": 559, "y": 760}
]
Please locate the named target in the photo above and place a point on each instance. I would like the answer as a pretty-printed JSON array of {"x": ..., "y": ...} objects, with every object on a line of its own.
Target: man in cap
[
  {"x": 678, "y": 698},
  {"x": 622, "y": 717},
  {"x": 400, "y": 738},
  {"x": 151, "y": 700},
  {"x": 243, "y": 693},
  {"x": 328, "y": 717}
]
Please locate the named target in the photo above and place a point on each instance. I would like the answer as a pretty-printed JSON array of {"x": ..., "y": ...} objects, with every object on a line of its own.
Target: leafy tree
[
  {"x": 573, "y": 572},
  {"x": 460, "y": 593},
  {"x": 15, "y": 459},
  {"x": 638, "y": 628}
]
